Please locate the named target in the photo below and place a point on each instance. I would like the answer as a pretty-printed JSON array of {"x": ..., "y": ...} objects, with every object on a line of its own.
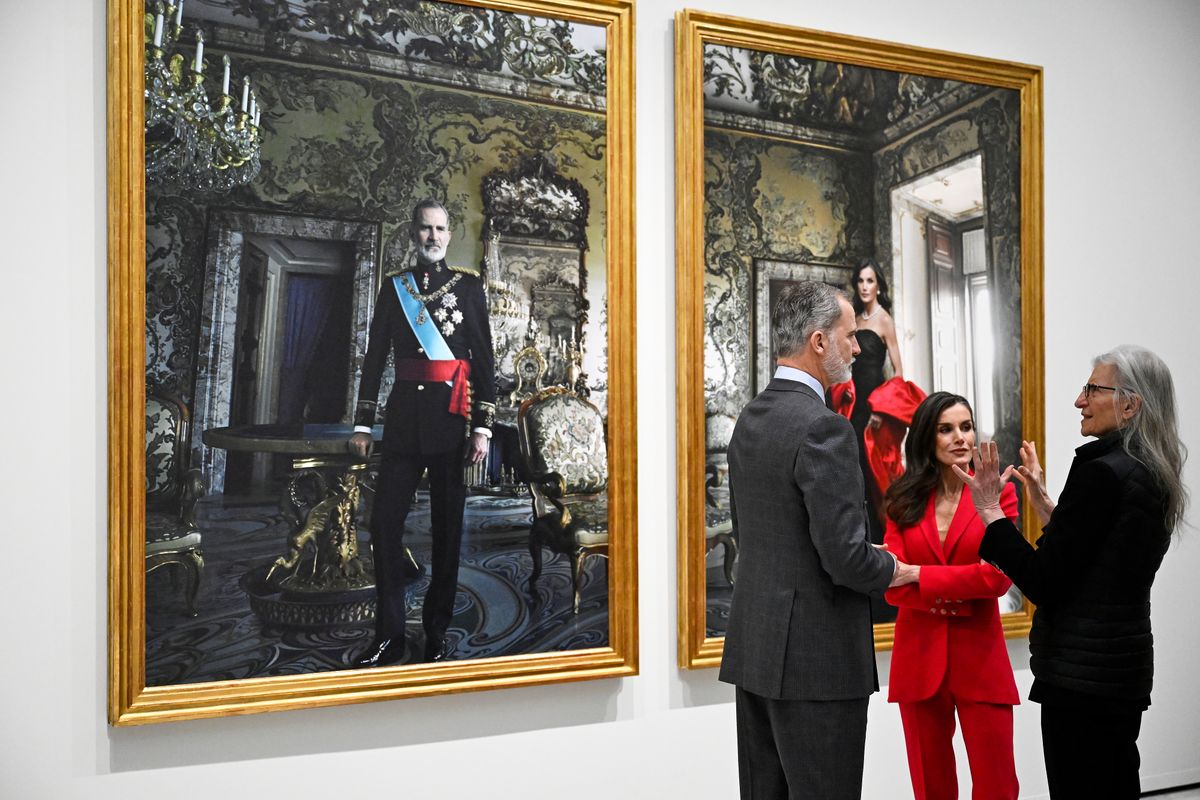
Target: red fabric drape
[
  {"x": 458, "y": 371},
  {"x": 894, "y": 401}
]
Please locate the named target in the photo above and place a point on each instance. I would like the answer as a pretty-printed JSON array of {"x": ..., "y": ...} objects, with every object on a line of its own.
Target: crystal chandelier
[{"x": 189, "y": 143}]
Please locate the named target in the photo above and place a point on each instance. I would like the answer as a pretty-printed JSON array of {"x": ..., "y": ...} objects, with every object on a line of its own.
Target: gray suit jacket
[{"x": 800, "y": 621}]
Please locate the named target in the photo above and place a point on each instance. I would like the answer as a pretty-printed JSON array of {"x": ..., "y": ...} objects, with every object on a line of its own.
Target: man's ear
[{"x": 818, "y": 342}]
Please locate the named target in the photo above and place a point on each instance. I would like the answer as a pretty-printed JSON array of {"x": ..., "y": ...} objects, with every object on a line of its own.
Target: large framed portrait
[
  {"x": 805, "y": 155},
  {"x": 269, "y": 167}
]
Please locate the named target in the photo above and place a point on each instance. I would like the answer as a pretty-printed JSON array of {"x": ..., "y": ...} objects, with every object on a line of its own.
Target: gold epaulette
[{"x": 474, "y": 273}]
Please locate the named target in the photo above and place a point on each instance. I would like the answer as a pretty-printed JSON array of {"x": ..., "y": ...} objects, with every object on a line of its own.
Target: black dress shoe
[
  {"x": 381, "y": 653},
  {"x": 438, "y": 649}
]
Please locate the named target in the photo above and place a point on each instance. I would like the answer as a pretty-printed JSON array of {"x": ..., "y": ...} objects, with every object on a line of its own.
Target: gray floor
[{"x": 1192, "y": 793}]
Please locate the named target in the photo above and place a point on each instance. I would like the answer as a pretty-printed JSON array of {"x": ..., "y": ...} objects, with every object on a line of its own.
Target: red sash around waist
[{"x": 458, "y": 371}]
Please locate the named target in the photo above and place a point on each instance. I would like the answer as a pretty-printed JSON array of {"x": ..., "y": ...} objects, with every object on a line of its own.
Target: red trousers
[{"x": 988, "y": 733}]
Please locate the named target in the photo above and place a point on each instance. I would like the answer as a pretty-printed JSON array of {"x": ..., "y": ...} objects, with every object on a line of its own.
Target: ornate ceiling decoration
[
  {"x": 861, "y": 106},
  {"x": 537, "y": 49}
]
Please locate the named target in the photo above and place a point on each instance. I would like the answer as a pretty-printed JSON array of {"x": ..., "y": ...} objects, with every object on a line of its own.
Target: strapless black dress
[{"x": 867, "y": 374}]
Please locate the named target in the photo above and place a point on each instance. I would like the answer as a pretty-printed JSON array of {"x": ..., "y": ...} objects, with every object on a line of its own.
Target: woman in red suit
[{"x": 949, "y": 651}]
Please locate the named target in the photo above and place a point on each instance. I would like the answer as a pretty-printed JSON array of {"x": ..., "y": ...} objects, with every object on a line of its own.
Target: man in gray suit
[{"x": 799, "y": 645}]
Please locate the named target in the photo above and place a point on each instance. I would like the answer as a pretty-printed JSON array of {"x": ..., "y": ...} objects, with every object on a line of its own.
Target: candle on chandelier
[
  {"x": 179, "y": 14},
  {"x": 199, "y": 53},
  {"x": 225, "y": 80},
  {"x": 253, "y": 105},
  {"x": 158, "y": 22},
  {"x": 257, "y": 115},
  {"x": 245, "y": 93}
]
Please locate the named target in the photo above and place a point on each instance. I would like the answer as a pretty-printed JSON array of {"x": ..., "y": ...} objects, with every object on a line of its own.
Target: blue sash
[{"x": 427, "y": 333}]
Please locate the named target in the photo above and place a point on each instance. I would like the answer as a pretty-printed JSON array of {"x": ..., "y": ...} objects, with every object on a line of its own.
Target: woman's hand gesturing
[
  {"x": 1032, "y": 478},
  {"x": 987, "y": 482}
]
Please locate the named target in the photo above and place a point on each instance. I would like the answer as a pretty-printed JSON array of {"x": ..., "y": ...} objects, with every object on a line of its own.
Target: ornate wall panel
[
  {"x": 768, "y": 199},
  {"x": 365, "y": 148}
]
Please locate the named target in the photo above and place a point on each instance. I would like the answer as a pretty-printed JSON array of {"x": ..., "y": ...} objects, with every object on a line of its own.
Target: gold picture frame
[
  {"x": 696, "y": 30},
  {"x": 130, "y": 700}
]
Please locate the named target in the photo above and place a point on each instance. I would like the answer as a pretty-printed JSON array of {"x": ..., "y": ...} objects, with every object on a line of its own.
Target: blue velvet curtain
[{"x": 309, "y": 301}]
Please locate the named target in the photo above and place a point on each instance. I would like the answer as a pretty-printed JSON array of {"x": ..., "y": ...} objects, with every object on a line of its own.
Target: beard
[
  {"x": 837, "y": 370},
  {"x": 431, "y": 253}
]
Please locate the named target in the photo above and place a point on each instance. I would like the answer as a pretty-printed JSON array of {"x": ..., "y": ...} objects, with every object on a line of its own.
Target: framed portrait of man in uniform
[{"x": 372, "y": 398}]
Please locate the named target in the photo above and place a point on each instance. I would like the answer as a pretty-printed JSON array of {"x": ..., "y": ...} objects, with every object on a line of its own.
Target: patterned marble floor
[{"x": 493, "y": 615}]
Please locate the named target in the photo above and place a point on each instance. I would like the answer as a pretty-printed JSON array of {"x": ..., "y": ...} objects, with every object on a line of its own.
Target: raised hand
[
  {"x": 987, "y": 481},
  {"x": 1034, "y": 480}
]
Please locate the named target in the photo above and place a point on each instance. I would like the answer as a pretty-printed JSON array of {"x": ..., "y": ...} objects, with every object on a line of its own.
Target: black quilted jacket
[{"x": 1091, "y": 574}]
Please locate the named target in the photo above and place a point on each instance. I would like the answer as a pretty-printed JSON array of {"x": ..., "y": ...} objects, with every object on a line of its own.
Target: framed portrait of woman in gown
[{"x": 806, "y": 155}]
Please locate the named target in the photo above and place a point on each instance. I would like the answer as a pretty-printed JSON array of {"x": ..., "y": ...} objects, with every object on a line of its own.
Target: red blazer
[{"x": 950, "y": 620}]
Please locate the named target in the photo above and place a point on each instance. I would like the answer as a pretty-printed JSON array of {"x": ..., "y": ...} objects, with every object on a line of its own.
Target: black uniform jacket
[{"x": 417, "y": 417}]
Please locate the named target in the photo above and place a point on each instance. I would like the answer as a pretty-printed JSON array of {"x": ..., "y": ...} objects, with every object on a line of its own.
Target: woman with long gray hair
[{"x": 1091, "y": 648}]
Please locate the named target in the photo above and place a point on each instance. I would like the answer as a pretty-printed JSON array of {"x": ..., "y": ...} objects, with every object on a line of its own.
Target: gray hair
[
  {"x": 801, "y": 310},
  {"x": 428, "y": 202},
  {"x": 1152, "y": 435}
]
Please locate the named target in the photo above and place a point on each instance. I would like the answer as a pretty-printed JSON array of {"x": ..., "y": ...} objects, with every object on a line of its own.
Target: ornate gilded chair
[
  {"x": 172, "y": 538},
  {"x": 718, "y": 521},
  {"x": 563, "y": 443}
]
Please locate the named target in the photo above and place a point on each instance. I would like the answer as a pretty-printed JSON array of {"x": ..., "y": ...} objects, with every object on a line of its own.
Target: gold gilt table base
[{"x": 321, "y": 580}]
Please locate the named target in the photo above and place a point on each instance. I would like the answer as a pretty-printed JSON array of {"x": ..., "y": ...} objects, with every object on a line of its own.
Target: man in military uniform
[{"x": 433, "y": 318}]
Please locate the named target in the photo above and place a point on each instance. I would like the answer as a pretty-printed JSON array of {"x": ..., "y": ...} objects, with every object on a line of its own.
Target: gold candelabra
[{"x": 189, "y": 143}]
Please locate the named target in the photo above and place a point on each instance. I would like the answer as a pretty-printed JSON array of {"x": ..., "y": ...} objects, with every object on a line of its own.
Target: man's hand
[
  {"x": 905, "y": 573},
  {"x": 360, "y": 444},
  {"x": 478, "y": 448}
]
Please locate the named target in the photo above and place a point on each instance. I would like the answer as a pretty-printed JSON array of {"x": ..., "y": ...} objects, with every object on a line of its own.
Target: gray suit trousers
[{"x": 800, "y": 749}]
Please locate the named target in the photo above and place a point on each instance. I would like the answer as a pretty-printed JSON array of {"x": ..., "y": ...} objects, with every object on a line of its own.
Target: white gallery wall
[{"x": 1122, "y": 119}]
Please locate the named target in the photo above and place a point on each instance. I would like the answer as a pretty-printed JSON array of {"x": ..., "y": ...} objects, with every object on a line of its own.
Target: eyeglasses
[{"x": 1090, "y": 389}]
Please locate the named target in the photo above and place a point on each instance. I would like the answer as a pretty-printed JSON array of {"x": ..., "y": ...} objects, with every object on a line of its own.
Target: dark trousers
[
  {"x": 800, "y": 749},
  {"x": 1091, "y": 754},
  {"x": 399, "y": 475}
]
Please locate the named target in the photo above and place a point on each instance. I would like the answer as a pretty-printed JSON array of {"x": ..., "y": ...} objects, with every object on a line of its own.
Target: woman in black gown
[{"x": 877, "y": 340}]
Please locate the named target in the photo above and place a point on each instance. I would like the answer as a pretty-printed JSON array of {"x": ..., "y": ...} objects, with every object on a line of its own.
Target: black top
[
  {"x": 418, "y": 417},
  {"x": 1090, "y": 577},
  {"x": 867, "y": 374}
]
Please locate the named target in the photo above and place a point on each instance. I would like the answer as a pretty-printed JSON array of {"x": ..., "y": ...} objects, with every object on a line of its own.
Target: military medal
[
  {"x": 425, "y": 299},
  {"x": 448, "y": 314}
]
